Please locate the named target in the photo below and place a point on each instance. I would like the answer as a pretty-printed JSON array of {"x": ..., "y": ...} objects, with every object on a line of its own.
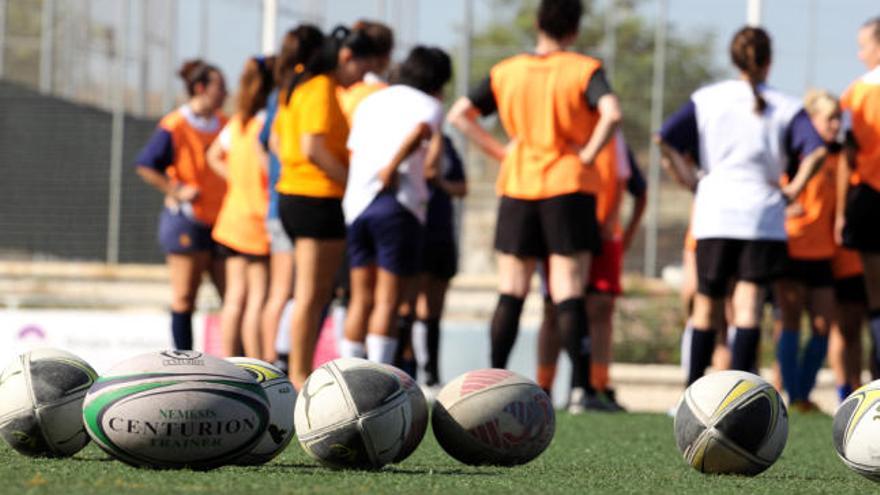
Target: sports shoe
[
  {"x": 577, "y": 401},
  {"x": 805, "y": 407}
]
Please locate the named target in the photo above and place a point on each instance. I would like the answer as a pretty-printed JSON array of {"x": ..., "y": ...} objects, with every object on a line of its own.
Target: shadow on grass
[{"x": 387, "y": 470}]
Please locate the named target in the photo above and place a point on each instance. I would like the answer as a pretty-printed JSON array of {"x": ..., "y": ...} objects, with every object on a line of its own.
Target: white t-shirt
[
  {"x": 379, "y": 127},
  {"x": 744, "y": 156}
]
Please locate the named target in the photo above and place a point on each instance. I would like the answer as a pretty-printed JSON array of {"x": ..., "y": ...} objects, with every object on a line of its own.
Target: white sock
[
  {"x": 352, "y": 348},
  {"x": 282, "y": 339},
  {"x": 381, "y": 349},
  {"x": 338, "y": 311},
  {"x": 686, "y": 346},
  {"x": 420, "y": 343}
]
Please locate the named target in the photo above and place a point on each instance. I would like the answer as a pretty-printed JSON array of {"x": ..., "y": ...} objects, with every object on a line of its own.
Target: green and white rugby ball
[{"x": 176, "y": 409}]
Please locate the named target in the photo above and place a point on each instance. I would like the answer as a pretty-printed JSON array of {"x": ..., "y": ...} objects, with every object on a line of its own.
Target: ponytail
[
  {"x": 750, "y": 51},
  {"x": 301, "y": 57}
]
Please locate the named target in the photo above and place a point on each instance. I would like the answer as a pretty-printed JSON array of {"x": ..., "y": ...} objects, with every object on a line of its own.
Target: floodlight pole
[
  {"x": 270, "y": 24},
  {"x": 117, "y": 134},
  {"x": 47, "y": 37},
  {"x": 3, "y": 5},
  {"x": 168, "y": 98},
  {"x": 144, "y": 61},
  {"x": 609, "y": 49},
  {"x": 754, "y": 12},
  {"x": 651, "y": 226}
]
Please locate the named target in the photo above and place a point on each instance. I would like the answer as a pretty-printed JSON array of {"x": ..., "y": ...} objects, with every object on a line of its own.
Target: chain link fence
[{"x": 69, "y": 67}]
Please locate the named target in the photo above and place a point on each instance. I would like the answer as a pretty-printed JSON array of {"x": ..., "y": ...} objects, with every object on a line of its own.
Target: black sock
[
  {"x": 571, "y": 322},
  {"x": 745, "y": 349},
  {"x": 702, "y": 347},
  {"x": 181, "y": 330},
  {"x": 404, "y": 333},
  {"x": 505, "y": 327},
  {"x": 874, "y": 327},
  {"x": 432, "y": 366}
]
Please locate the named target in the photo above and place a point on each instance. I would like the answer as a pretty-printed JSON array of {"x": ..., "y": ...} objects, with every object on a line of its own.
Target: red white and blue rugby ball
[
  {"x": 493, "y": 417},
  {"x": 176, "y": 409}
]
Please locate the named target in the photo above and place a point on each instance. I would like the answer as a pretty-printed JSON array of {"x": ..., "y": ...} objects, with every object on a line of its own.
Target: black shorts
[
  {"x": 860, "y": 231},
  {"x": 440, "y": 259},
  {"x": 227, "y": 252},
  {"x": 812, "y": 273},
  {"x": 315, "y": 218},
  {"x": 851, "y": 290},
  {"x": 721, "y": 260},
  {"x": 536, "y": 228}
]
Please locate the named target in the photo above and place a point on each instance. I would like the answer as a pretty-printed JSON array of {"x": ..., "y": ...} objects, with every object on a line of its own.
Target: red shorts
[{"x": 605, "y": 269}]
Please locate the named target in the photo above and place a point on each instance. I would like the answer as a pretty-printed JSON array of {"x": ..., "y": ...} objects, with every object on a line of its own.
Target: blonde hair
[{"x": 820, "y": 101}]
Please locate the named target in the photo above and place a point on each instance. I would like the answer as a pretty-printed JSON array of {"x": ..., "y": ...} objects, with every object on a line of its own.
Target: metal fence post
[
  {"x": 47, "y": 45},
  {"x": 117, "y": 135},
  {"x": 651, "y": 226}
]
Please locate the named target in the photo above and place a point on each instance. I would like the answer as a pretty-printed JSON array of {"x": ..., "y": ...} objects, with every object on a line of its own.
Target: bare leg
[
  {"x": 257, "y": 285},
  {"x": 281, "y": 266},
  {"x": 316, "y": 261},
  {"x": 233, "y": 305}
]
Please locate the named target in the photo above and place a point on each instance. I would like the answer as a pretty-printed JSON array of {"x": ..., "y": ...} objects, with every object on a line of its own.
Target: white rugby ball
[
  {"x": 41, "y": 397},
  {"x": 282, "y": 399},
  {"x": 856, "y": 431},
  {"x": 419, "y": 407},
  {"x": 176, "y": 409},
  {"x": 352, "y": 413}
]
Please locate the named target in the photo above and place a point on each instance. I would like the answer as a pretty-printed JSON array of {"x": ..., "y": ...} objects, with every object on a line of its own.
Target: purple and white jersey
[{"x": 742, "y": 155}]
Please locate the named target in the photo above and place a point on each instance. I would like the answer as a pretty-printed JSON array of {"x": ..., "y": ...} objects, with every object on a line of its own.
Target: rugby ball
[
  {"x": 731, "y": 422},
  {"x": 419, "y": 407},
  {"x": 176, "y": 409},
  {"x": 351, "y": 413},
  {"x": 41, "y": 397},
  {"x": 493, "y": 417},
  {"x": 282, "y": 398},
  {"x": 856, "y": 432}
]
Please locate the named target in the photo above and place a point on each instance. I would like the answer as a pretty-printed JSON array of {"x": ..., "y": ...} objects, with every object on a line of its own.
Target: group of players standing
[
  {"x": 324, "y": 156},
  {"x": 785, "y": 209}
]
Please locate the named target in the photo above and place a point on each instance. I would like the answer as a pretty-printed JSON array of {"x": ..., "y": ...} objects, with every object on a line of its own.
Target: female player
[
  {"x": 241, "y": 224},
  {"x": 421, "y": 318},
  {"x": 859, "y": 187},
  {"x": 739, "y": 209},
  {"x": 808, "y": 281},
  {"x": 559, "y": 112},
  {"x": 395, "y": 146},
  {"x": 312, "y": 133},
  {"x": 173, "y": 161},
  {"x": 382, "y": 39},
  {"x": 845, "y": 342}
]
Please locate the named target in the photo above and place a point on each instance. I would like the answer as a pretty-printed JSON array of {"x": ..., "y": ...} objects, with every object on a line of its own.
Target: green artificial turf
[{"x": 632, "y": 453}]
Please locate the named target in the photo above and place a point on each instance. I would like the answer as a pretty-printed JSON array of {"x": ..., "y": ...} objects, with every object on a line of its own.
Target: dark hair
[
  {"x": 560, "y": 18},
  {"x": 874, "y": 25},
  {"x": 380, "y": 34},
  {"x": 750, "y": 51},
  {"x": 254, "y": 86},
  {"x": 357, "y": 39},
  {"x": 196, "y": 71},
  {"x": 426, "y": 68},
  {"x": 302, "y": 56}
]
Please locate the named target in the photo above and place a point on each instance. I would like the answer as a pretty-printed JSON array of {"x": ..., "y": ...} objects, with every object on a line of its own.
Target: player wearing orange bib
[
  {"x": 174, "y": 162},
  {"x": 808, "y": 281},
  {"x": 859, "y": 183},
  {"x": 241, "y": 225},
  {"x": 559, "y": 112}
]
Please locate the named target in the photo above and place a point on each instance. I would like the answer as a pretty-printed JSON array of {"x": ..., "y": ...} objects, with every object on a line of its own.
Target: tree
[{"x": 689, "y": 59}]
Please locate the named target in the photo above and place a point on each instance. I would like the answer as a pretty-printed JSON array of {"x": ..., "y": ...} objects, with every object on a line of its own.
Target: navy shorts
[
  {"x": 440, "y": 259},
  {"x": 180, "y": 234},
  {"x": 388, "y": 235}
]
